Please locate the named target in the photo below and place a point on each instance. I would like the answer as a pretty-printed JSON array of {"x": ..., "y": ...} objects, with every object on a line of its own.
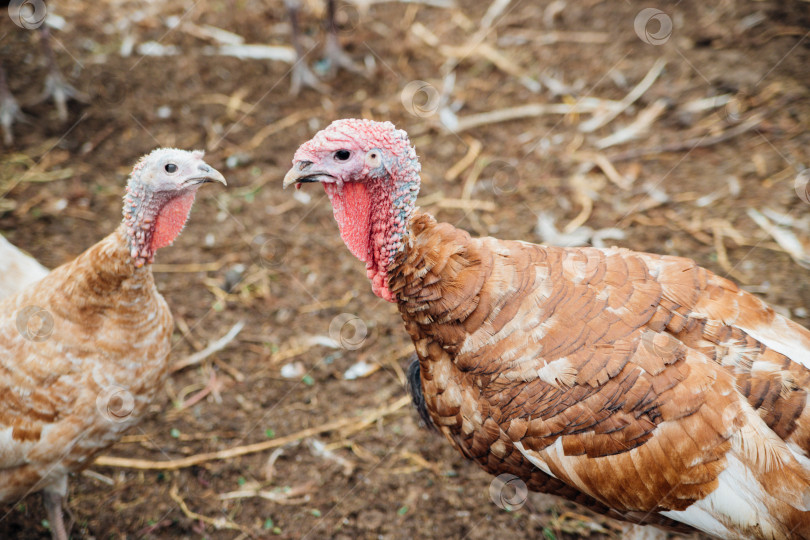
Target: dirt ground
[{"x": 718, "y": 132}]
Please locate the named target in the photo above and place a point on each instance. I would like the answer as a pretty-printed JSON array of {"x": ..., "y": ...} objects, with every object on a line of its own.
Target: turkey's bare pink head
[
  {"x": 159, "y": 196},
  {"x": 370, "y": 172}
]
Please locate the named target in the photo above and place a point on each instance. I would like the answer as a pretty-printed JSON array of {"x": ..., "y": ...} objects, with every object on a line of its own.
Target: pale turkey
[{"x": 83, "y": 351}]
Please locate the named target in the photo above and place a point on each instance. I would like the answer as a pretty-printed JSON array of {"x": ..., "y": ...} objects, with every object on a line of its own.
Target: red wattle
[
  {"x": 352, "y": 209},
  {"x": 171, "y": 220}
]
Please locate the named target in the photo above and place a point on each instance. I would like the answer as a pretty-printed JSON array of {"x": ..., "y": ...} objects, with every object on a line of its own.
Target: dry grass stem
[
  {"x": 637, "y": 128},
  {"x": 218, "y": 523},
  {"x": 229, "y": 453},
  {"x": 689, "y": 144},
  {"x": 212, "y": 348},
  {"x": 602, "y": 161},
  {"x": 473, "y": 150},
  {"x": 604, "y": 118}
]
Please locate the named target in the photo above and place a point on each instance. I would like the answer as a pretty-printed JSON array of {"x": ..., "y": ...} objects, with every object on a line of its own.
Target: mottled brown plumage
[
  {"x": 640, "y": 385},
  {"x": 83, "y": 351},
  {"x": 611, "y": 370}
]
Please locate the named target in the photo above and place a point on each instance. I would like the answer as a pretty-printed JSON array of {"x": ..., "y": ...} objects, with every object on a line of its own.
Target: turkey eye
[
  {"x": 342, "y": 155},
  {"x": 170, "y": 168}
]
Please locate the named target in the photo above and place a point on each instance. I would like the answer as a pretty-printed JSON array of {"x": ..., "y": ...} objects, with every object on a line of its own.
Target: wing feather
[{"x": 677, "y": 383}]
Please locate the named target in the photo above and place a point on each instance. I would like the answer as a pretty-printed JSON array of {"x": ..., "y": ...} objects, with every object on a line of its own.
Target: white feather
[
  {"x": 738, "y": 495},
  {"x": 17, "y": 269},
  {"x": 534, "y": 459},
  {"x": 782, "y": 339}
]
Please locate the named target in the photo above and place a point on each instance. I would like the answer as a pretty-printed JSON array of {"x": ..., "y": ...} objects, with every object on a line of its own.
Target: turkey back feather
[{"x": 631, "y": 377}]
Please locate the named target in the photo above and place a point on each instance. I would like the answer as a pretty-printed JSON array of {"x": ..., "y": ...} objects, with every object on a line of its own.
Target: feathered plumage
[{"x": 643, "y": 386}]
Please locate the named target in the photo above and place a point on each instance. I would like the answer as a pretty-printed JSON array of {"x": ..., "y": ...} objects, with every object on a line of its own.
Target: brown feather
[
  {"x": 635, "y": 383},
  {"x": 111, "y": 329}
]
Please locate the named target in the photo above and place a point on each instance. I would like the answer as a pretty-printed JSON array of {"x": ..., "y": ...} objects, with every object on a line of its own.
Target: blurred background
[{"x": 669, "y": 127}]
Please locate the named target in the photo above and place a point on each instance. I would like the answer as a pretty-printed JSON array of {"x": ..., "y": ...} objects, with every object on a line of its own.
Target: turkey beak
[
  {"x": 210, "y": 174},
  {"x": 301, "y": 173}
]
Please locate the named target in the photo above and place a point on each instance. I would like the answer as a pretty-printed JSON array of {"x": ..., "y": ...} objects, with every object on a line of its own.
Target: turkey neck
[
  {"x": 373, "y": 219},
  {"x": 437, "y": 279},
  {"x": 105, "y": 278}
]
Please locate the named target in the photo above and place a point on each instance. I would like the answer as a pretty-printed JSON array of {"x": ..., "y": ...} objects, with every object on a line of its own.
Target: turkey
[
  {"x": 336, "y": 56},
  {"x": 27, "y": 16},
  {"x": 83, "y": 351},
  {"x": 17, "y": 269},
  {"x": 640, "y": 385}
]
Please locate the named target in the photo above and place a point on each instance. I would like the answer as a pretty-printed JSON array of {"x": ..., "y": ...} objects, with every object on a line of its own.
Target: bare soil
[{"x": 256, "y": 254}]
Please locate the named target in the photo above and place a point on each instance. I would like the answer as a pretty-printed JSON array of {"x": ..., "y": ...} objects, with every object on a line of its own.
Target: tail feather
[{"x": 414, "y": 385}]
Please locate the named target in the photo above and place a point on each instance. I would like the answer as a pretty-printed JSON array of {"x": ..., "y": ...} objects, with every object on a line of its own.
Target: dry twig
[
  {"x": 212, "y": 348},
  {"x": 194, "y": 267},
  {"x": 689, "y": 144},
  {"x": 468, "y": 159},
  {"x": 275, "y": 127},
  {"x": 636, "y": 128},
  {"x": 521, "y": 112},
  {"x": 294, "y": 495},
  {"x": 328, "y": 304},
  {"x": 218, "y": 523},
  {"x": 468, "y": 204},
  {"x": 604, "y": 118},
  {"x": 601, "y": 161},
  {"x": 228, "y": 453}
]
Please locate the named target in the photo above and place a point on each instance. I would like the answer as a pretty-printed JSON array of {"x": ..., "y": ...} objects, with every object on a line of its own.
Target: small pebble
[
  {"x": 293, "y": 370},
  {"x": 358, "y": 371}
]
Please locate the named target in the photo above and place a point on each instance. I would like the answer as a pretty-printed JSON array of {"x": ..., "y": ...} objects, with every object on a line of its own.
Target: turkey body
[
  {"x": 84, "y": 350},
  {"x": 82, "y": 354},
  {"x": 639, "y": 383}
]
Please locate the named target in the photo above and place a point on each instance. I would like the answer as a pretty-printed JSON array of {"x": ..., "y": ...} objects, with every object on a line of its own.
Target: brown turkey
[
  {"x": 83, "y": 351},
  {"x": 640, "y": 385}
]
